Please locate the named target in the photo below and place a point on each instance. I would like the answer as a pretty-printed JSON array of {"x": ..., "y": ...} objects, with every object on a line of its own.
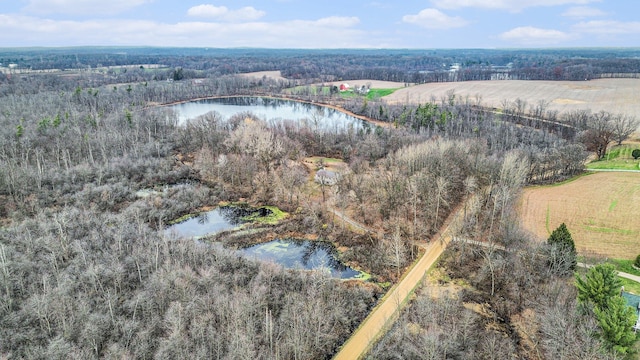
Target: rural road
[
  {"x": 383, "y": 315},
  {"x": 620, "y": 273}
]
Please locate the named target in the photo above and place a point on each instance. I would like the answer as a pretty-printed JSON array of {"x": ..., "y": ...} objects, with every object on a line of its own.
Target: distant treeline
[{"x": 409, "y": 66}]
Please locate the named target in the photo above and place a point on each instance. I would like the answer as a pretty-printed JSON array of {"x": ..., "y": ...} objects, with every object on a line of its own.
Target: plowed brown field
[
  {"x": 613, "y": 95},
  {"x": 601, "y": 210}
]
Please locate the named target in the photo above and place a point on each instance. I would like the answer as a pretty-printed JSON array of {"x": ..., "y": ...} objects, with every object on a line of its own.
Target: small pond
[
  {"x": 289, "y": 253},
  {"x": 214, "y": 221},
  {"x": 303, "y": 255},
  {"x": 272, "y": 111}
]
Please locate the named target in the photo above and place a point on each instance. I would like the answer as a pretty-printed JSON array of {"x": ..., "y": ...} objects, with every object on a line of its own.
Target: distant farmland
[
  {"x": 601, "y": 211},
  {"x": 613, "y": 95}
]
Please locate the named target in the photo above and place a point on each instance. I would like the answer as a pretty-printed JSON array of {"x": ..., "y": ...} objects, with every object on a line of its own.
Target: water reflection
[
  {"x": 271, "y": 111},
  {"x": 302, "y": 254},
  {"x": 205, "y": 223}
]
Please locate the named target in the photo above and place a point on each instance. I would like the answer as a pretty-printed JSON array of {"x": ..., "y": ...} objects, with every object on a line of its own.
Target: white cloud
[
  {"x": 434, "y": 19},
  {"x": 583, "y": 12},
  {"x": 206, "y": 10},
  {"x": 608, "y": 27},
  {"x": 80, "y": 7},
  {"x": 332, "y": 32},
  {"x": 247, "y": 13},
  {"x": 528, "y": 35},
  {"x": 338, "y": 21},
  {"x": 512, "y": 5}
]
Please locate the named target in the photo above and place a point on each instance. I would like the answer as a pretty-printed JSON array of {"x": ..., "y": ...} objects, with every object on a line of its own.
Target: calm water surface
[
  {"x": 206, "y": 223},
  {"x": 303, "y": 255},
  {"x": 289, "y": 253},
  {"x": 270, "y": 110}
]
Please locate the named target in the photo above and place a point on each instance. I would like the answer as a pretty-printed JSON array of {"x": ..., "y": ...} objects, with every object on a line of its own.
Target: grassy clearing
[
  {"x": 326, "y": 90},
  {"x": 378, "y": 93},
  {"x": 331, "y": 164},
  {"x": 630, "y": 286},
  {"x": 371, "y": 95},
  {"x": 625, "y": 266},
  {"x": 305, "y": 89},
  {"x": 618, "y": 158}
]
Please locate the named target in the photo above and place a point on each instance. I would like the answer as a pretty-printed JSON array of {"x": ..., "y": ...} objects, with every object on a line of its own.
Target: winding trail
[
  {"x": 384, "y": 314},
  {"x": 356, "y": 225}
]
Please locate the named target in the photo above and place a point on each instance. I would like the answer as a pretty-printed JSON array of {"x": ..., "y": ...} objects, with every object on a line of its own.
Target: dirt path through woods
[{"x": 382, "y": 316}]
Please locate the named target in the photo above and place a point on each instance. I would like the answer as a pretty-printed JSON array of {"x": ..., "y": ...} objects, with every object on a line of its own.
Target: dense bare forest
[{"x": 86, "y": 271}]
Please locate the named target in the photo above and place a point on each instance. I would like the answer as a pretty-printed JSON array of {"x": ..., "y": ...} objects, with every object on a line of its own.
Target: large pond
[
  {"x": 271, "y": 111},
  {"x": 303, "y": 255}
]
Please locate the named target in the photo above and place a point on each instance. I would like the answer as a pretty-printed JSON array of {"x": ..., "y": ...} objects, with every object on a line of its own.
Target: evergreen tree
[
  {"x": 616, "y": 322},
  {"x": 600, "y": 291},
  {"x": 599, "y": 285},
  {"x": 561, "y": 240}
]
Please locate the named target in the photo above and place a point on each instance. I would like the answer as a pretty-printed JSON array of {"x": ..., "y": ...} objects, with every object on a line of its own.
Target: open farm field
[
  {"x": 613, "y": 95},
  {"x": 600, "y": 210},
  {"x": 270, "y": 74}
]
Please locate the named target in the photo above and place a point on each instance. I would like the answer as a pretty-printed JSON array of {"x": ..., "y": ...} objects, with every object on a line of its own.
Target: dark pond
[
  {"x": 271, "y": 110},
  {"x": 290, "y": 253},
  {"x": 303, "y": 255},
  {"x": 214, "y": 221}
]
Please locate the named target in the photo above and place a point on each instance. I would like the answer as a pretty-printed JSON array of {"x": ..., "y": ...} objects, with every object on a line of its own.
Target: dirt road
[{"x": 383, "y": 315}]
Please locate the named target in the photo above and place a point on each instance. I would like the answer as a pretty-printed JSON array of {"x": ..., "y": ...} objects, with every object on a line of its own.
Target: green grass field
[
  {"x": 618, "y": 158},
  {"x": 378, "y": 93},
  {"x": 371, "y": 95},
  {"x": 630, "y": 286},
  {"x": 625, "y": 266},
  {"x": 326, "y": 90}
]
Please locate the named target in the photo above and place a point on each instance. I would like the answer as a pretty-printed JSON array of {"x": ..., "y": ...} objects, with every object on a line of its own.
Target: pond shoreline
[{"x": 336, "y": 107}]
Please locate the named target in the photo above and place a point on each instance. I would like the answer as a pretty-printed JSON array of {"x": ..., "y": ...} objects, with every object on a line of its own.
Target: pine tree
[
  {"x": 600, "y": 290},
  {"x": 599, "y": 285},
  {"x": 617, "y": 323},
  {"x": 561, "y": 239}
]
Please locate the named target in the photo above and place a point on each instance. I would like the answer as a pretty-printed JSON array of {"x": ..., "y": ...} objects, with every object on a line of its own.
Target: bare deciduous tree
[{"x": 623, "y": 126}]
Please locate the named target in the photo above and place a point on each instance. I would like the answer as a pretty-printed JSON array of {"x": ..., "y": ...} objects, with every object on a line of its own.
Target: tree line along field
[
  {"x": 600, "y": 210},
  {"x": 612, "y": 95}
]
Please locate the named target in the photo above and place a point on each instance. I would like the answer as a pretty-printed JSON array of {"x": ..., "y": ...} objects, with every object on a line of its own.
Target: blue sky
[{"x": 322, "y": 23}]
